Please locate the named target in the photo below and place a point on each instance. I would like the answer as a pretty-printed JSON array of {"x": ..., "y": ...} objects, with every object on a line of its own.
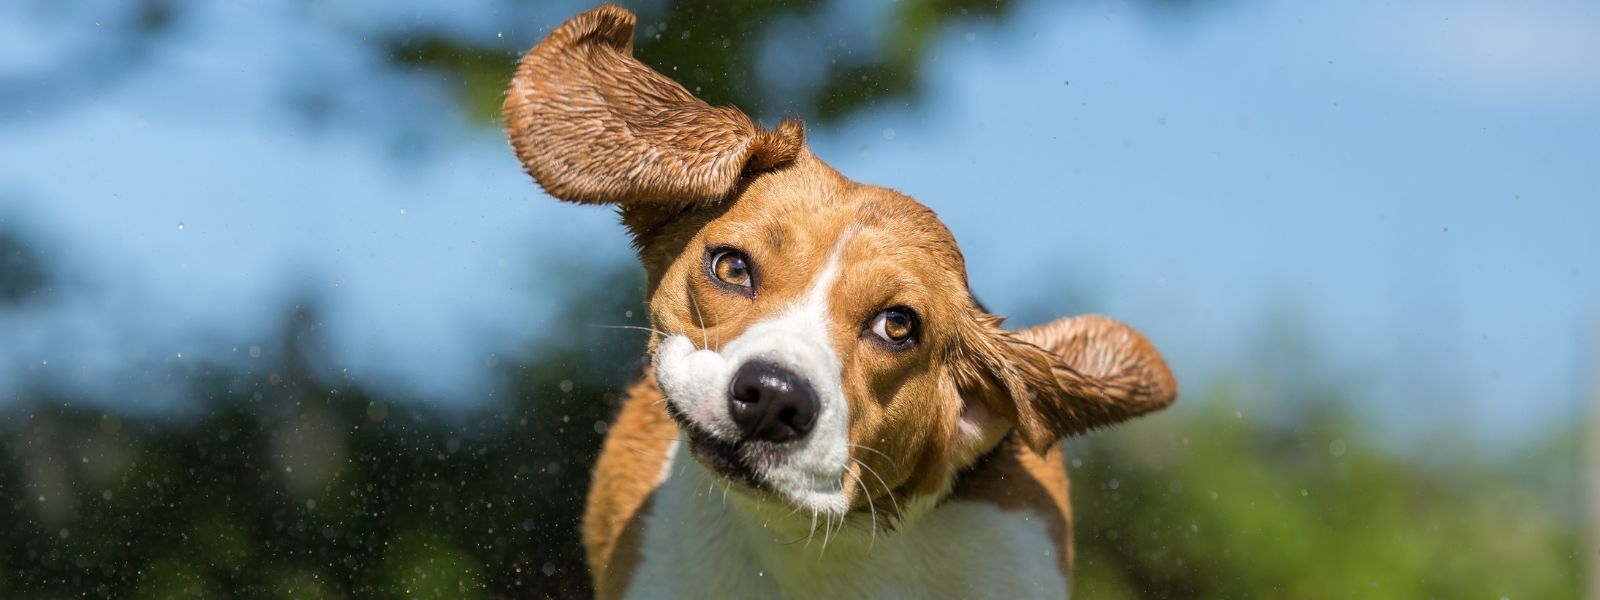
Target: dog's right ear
[{"x": 592, "y": 124}]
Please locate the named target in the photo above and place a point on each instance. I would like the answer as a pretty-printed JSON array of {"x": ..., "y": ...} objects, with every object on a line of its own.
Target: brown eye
[
  {"x": 731, "y": 267},
  {"x": 897, "y": 325}
]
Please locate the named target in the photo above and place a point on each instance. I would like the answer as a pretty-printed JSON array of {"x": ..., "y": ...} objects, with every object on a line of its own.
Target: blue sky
[{"x": 1414, "y": 188}]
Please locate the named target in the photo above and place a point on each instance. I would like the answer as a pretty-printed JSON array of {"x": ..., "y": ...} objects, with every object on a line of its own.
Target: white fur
[
  {"x": 810, "y": 473},
  {"x": 701, "y": 541}
]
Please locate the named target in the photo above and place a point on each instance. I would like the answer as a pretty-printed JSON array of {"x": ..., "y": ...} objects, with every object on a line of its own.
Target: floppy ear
[
  {"x": 594, "y": 125},
  {"x": 1070, "y": 376}
]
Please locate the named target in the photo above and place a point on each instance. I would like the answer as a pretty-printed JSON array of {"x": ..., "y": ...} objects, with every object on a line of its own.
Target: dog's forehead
[{"x": 811, "y": 208}]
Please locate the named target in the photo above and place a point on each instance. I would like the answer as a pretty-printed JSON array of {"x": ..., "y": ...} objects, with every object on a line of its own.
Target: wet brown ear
[
  {"x": 594, "y": 125},
  {"x": 1071, "y": 376}
]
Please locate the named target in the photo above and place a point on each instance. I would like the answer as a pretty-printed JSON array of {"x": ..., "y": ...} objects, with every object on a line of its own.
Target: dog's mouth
[{"x": 723, "y": 457}]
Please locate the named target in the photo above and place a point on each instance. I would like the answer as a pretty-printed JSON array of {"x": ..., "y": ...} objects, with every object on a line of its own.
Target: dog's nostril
[{"x": 771, "y": 403}]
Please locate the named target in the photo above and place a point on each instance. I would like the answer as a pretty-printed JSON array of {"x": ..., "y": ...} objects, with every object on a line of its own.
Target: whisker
[
  {"x": 835, "y": 533},
  {"x": 635, "y": 327},
  {"x": 887, "y": 491},
  {"x": 872, "y": 509},
  {"x": 874, "y": 451},
  {"x": 718, "y": 327},
  {"x": 827, "y": 533},
  {"x": 813, "y": 531},
  {"x": 701, "y": 318}
]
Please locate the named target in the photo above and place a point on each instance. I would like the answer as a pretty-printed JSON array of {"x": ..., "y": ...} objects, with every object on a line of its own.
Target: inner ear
[
  {"x": 592, "y": 124},
  {"x": 1072, "y": 376}
]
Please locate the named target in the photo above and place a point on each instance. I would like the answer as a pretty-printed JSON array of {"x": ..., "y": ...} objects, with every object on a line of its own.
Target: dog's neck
[{"x": 943, "y": 546}]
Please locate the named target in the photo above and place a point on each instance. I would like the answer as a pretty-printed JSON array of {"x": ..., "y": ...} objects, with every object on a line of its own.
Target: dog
[{"x": 828, "y": 411}]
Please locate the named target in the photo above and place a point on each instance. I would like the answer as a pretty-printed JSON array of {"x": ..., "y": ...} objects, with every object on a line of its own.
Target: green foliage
[
  {"x": 287, "y": 482},
  {"x": 1212, "y": 503},
  {"x": 714, "y": 48},
  {"x": 21, "y": 276}
]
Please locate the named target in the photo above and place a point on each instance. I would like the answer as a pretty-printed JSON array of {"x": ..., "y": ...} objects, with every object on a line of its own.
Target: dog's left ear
[
  {"x": 1066, "y": 377},
  {"x": 594, "y": 125}
]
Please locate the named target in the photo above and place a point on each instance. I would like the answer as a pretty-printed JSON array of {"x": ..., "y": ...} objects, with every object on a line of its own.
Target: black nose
[{"x": 771, "y": 403}]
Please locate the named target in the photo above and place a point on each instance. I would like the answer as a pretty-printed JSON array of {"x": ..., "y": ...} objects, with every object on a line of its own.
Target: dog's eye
[
  {"x": 897, "y": 325},
  {"x": 731, "y": 267}
]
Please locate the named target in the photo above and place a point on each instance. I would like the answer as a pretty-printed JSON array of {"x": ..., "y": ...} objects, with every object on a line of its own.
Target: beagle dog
[{"x": 828, "y": 411}]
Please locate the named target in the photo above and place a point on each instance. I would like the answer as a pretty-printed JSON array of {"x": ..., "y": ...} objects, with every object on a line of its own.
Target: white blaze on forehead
[
  {"x": 817, "y": 296},
  {"x": 798, "y": 339}
]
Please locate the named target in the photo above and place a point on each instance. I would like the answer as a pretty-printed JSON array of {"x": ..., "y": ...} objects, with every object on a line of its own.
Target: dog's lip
[{"x": 722, "y": 457}]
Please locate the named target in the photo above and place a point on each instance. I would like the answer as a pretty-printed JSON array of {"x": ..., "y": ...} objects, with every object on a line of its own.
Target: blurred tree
[
  {"x": 22, "y": 276},
  {"x": 295, "y": 481},
  {"x": 1217, "y": 503},
  {"x": 715, "y": 50}
]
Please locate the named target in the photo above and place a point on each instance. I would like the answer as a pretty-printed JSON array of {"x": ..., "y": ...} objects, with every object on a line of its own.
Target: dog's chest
[{"x": 696, "y": 545}]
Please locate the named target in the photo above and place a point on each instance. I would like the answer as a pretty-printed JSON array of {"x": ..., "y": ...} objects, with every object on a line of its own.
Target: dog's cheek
[{"x": 690, "y": 378}]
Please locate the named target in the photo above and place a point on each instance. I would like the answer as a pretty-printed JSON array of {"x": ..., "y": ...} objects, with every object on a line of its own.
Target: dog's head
[{"x": 819, "y": 345}]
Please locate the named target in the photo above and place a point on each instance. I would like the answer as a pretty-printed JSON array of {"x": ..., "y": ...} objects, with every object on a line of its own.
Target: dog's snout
[{"x": 771, "y": 403}]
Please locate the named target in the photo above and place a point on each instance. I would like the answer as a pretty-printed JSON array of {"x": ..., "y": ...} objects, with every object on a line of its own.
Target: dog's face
[
  {"x": 817, "y": 343},
  {"x": 817, "y": 329}
]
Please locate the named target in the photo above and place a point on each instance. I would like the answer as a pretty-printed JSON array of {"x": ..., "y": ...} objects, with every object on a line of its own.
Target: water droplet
[
  {"x": 255, "y": 352},
  {"x": 888, "y": 133},
  {"x": 180, "y": 225},
  {"x": 1114, "y": 484},
  {"x": 548, "y": 568},
  {"x": 566, "y": 385}
]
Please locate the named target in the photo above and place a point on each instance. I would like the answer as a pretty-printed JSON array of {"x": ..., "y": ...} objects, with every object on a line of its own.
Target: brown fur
[
  {"x": 593, "y": 125},
  {"x": 1016, "y": 478},
  {"x": 619, "y": 498}
]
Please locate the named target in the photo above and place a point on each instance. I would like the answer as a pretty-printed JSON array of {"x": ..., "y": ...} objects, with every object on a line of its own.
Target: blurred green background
[{"x": 1281, "y": 473}]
